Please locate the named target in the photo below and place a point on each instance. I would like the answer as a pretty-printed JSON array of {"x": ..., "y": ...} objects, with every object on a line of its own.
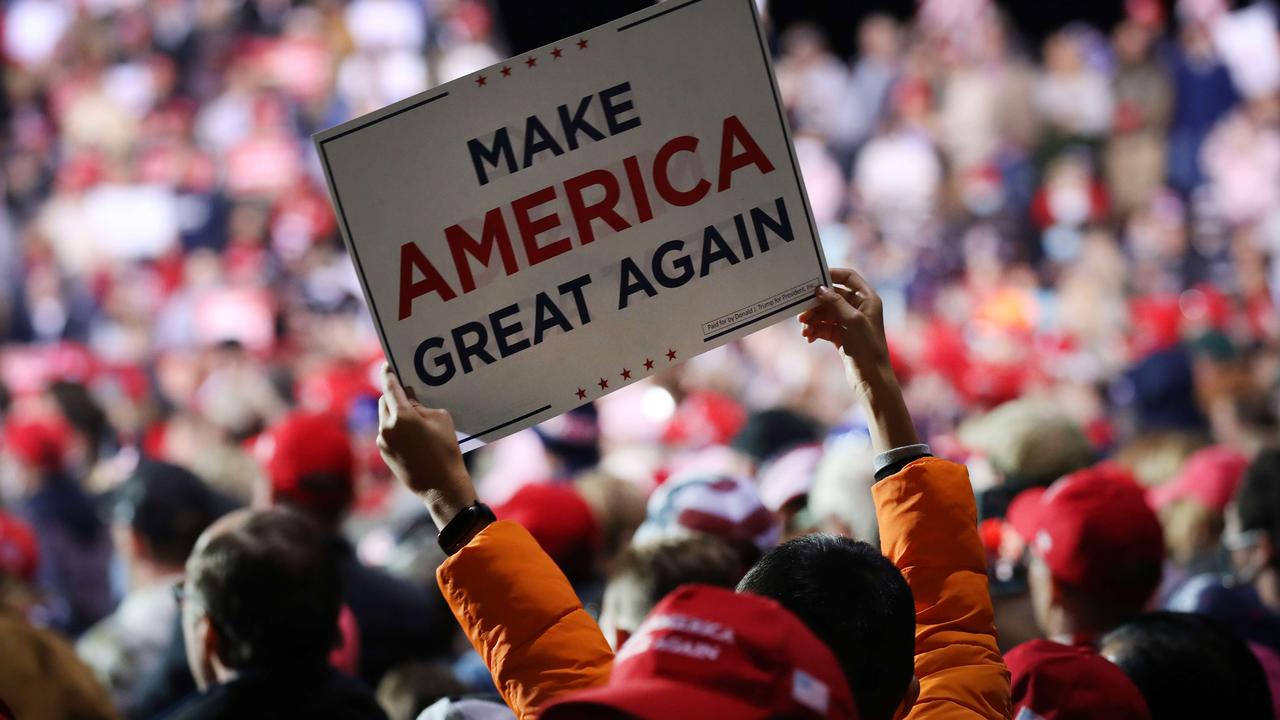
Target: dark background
[{"x": 528, "y": 24}]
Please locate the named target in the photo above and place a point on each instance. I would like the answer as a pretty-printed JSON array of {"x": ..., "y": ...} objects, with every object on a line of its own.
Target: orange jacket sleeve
[
  {"x": 928, "y": 528},
  {"x": 522, "y": 616}
]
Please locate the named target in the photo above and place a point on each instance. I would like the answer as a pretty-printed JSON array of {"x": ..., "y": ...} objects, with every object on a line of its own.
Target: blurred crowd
[{"x": 1077, "y": 244}]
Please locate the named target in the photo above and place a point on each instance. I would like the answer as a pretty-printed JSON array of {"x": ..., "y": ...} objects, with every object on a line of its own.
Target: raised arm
[
  {"x": 928, "y": 520},
  {"x": 515, "y": 606}
]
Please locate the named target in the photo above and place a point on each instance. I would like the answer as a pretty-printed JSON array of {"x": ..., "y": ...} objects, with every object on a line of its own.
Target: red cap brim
[{"x": 1025, "y": 512}]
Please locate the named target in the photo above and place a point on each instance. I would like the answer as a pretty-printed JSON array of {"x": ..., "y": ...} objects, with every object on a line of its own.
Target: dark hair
[
  {"x": 271, "y": 589},
  {"x": 169, "y": 507},
  {"x": 641, "y": 576},
  {"x": 1190, "y": 666},
  {"x": 768, "y": 433},
  {"x": 1258, "y": 499},
  {"x": 84, "y": 414},
  {"x": 857, "y": 602}
]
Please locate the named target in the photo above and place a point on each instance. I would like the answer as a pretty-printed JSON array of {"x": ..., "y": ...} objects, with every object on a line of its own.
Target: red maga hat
[
  {"x": 1210, "y": 477},
  {"x": 707, "y": 652},
  {"x": 305, "y": 447},
  {"x": 1052, "y": 681},
  {"x": 1092, "y": 528},
  {"x": 37, "y": 442}
]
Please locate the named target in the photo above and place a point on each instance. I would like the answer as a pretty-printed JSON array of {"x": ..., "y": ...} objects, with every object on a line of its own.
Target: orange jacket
[
  {"x": 523, "y": 618},
  {"x": 928, "y": 528}
]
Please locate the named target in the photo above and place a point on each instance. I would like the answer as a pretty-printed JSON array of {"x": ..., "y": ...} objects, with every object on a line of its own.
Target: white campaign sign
[{"x": 552, "y": 228}]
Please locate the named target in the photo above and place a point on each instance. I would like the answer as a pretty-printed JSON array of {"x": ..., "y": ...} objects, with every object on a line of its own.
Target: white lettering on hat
[
  {"x": 810, "y": 692},
  {"x": 688, "y": 648},
  {"x": 647, "y": 637},
  {"x": 692, "y": 625}
]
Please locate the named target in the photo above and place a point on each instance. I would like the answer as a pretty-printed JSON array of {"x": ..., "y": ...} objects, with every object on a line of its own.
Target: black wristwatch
[{"x": 464, "y": 526}]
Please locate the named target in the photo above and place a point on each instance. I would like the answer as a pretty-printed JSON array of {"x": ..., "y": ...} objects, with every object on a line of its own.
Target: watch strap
[{"x": 464, "y": 526}]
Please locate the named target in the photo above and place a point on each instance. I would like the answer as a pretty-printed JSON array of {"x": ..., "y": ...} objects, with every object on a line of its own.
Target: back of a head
[
  {"x": 268, "y": 582},
  {"x": 853, "y": 598},
  {"x": 1190, "y": 666},
  {"x": 643, "y": 575},
  {"x": 769, "y": 432},
  {"x": 1100, "y": 542},
  {"x": 310, "y": 465},
  {"x": 168, "y": 507},
  {"x": 726, "y": 506},
  {"x": 1258, "y": 500},
  {"x": 1029, "y": 442},
  {"x": 841, "y": 493}
]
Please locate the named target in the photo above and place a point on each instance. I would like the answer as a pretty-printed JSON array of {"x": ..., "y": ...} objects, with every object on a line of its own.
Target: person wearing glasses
[{"x": 260, "y": 606}]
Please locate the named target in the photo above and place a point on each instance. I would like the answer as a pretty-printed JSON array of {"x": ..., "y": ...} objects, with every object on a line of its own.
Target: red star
[
  {"x": 531, "y": 61},
  {"x": 506, "y": 71},
  {"x": 582, "y": 394},
  {"x": 604, "y": 384},
  {"x": 582, "y": 44},
  {"x": 648, "y": 364},
  {"x": 480, "y": 81},
  {"x": 626, "y": 374},
  {"x": 671, "y": 355},
  {"x": 556, "y": 52}
]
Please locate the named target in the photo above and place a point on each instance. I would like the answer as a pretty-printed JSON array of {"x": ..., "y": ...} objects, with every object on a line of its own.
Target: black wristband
[{"x": 465, "y": 525}]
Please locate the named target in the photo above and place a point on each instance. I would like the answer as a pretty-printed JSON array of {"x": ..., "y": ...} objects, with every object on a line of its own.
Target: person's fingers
[
  {"x": 853, "y": 296},
  {"x": 851, "y": 279},
  {"x": 392, "y": 389},
  {"x": 820, "y": 314},
  {"x": 838, "y": 304}
]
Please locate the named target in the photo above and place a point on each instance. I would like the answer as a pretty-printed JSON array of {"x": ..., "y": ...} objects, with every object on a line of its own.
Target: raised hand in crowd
[
  {"x": 420, "y": 446},
  {"x": 851, "y": 317}
]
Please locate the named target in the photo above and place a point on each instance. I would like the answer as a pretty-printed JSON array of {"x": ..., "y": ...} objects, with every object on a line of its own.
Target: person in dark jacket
[
  {"x": 75, "y": 559},
  {"x": 260, "y": 607},
  {"x": 309, "y": 466},
  {"x": 157, "y": 515}
]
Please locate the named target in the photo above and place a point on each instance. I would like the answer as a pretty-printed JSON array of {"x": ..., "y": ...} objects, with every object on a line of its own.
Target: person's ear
[
  {"x": 908, "y": 700},
  {"x": 138, "y": 546},
  {"x": 620, "y": 636},
  {"x": 1266, "y": 550},
  {"x": 211, "y": 646},
  {"x": 1055, "y": 591}
]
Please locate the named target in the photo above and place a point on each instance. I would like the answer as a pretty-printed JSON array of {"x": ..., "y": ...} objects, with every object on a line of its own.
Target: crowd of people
[{"x": 1038, "y": 477}]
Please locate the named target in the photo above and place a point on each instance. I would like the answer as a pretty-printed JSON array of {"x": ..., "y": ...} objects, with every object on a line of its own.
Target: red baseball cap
[
  {"x": 37, "y": 442},
  {"x": 707, "y": 652},
  {"x": 309, "y": 462},
  {"x": 1094, "y": 529},
  {"x": 704, "y": 418},
  {"x": 1052, "y": 681},
  {"x": 559, "y": 519},
  {"x": 1210, "y": 477},
  {"x": 19, "y": 553}
]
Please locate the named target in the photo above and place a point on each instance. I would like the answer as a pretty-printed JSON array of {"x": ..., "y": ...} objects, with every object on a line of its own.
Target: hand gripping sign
[{"x": 547, "y": 230}]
